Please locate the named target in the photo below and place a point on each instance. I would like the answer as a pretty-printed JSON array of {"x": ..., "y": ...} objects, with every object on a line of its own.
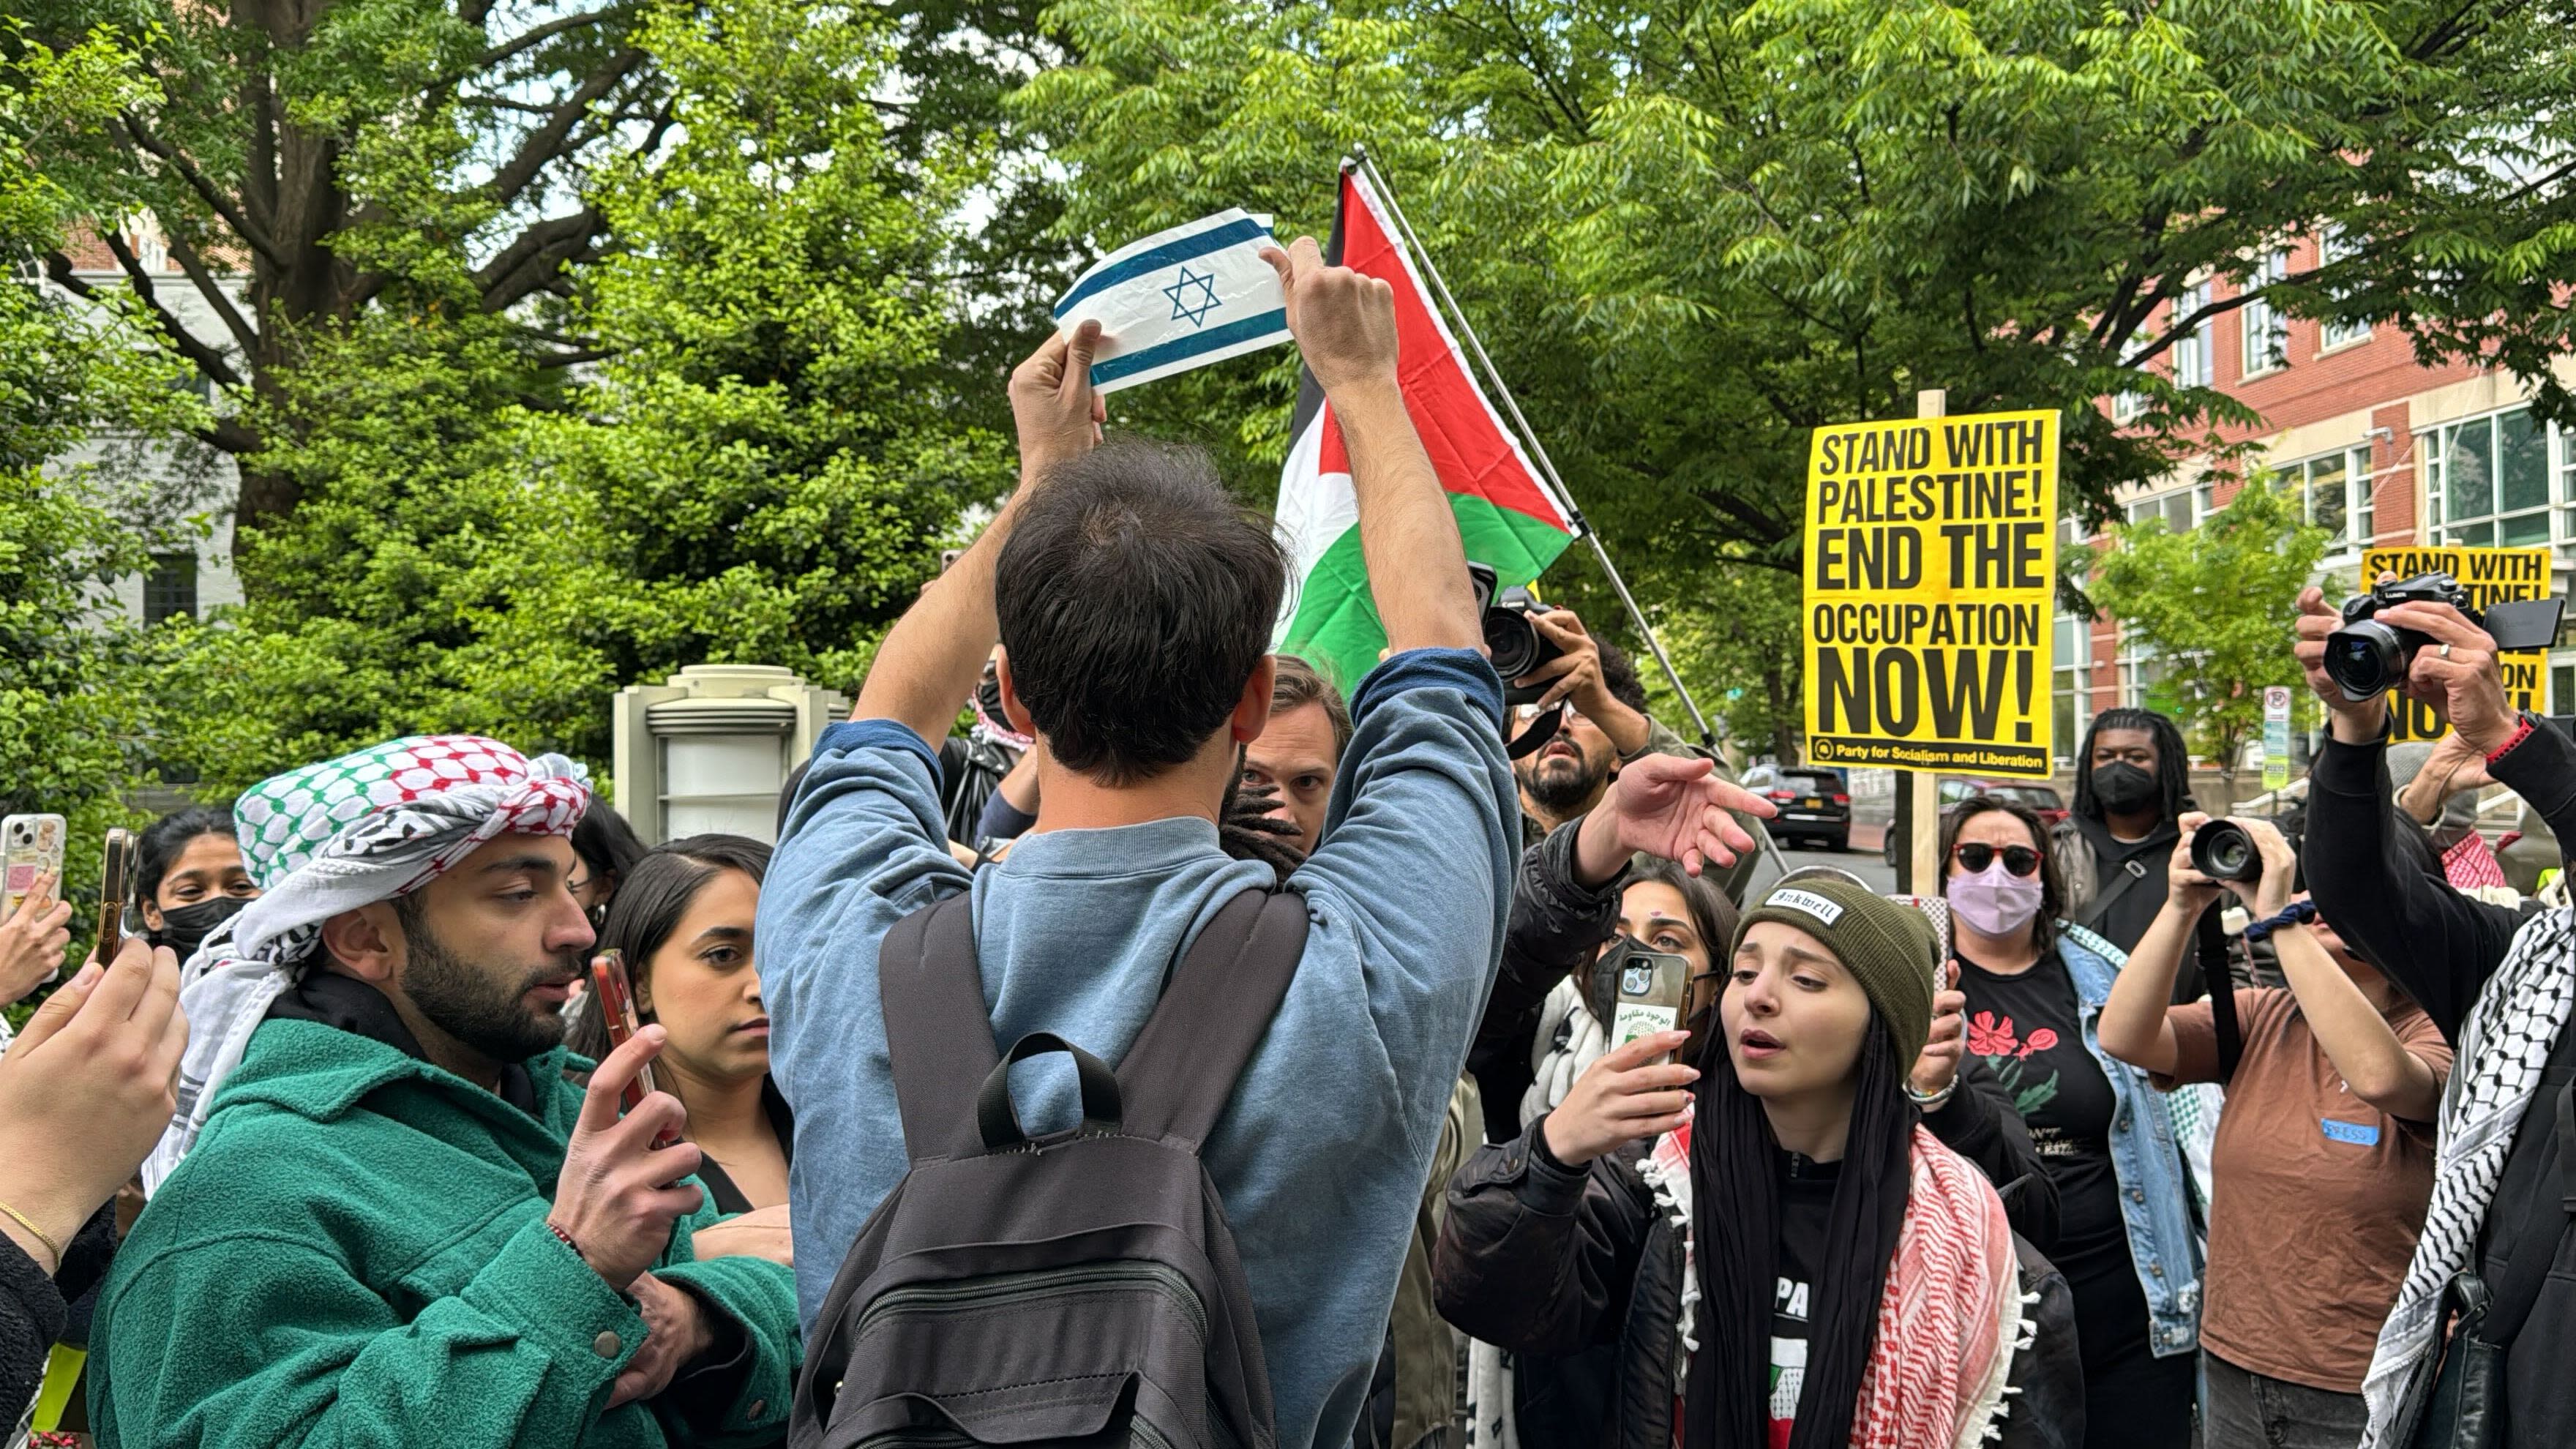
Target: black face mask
[
  {"x": 185, "y": 928},
  {"x": 2123, "y": 787},
  {"x": 988, "y": 700}
]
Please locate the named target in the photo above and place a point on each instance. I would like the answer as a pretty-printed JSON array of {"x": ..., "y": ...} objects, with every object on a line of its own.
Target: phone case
[
  {"x": 1652, "y": 988},
  {"x": 30, "y": 846},
  {"x": 617, "y": 1011},
  {"x": 115, "y": 884}
]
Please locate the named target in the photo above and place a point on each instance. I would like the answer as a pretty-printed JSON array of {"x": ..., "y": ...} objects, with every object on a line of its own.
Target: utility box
[{"x": 709, "y": 748}]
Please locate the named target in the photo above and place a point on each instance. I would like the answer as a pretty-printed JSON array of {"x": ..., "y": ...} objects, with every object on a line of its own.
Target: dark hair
[
  {"x": 2173, "y": 760},
  {"x": 607, "y": 844},
  {"x": 2052, "y": 882},
  {"x": 647, "y": 908},
  {"x": 1619, "y": 676},
  {"x": 1135, "y": 599},
  {"x": 1712, "y": 913},
  {"x": 1297, "y": 685},
  {"x": 166, "y": 839}
]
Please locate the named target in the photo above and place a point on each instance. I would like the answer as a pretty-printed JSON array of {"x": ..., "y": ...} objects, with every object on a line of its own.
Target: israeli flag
[{"x": 1180, "y": 299}]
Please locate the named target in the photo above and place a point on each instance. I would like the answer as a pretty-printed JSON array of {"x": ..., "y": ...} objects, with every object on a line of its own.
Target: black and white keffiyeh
[{"x": 2503, "y": 1048}]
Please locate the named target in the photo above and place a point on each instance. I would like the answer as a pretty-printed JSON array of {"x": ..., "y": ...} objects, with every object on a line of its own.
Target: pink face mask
[{"x": 1995, "y": 901}]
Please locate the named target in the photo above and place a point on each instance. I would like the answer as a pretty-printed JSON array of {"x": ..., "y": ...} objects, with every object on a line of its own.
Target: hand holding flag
[
  {"x": 1053, "y": 406},
  {"x": 1344, "y": 321}
]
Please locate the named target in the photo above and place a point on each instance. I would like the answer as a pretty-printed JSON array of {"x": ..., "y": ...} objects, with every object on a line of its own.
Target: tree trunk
[{"x": 1784, "y": 735}]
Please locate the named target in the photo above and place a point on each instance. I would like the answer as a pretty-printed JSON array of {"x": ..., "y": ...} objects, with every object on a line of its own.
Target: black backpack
[{"x": 1077, "y": 1288}]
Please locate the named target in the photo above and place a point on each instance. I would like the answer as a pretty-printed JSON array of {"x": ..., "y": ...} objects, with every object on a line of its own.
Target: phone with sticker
[
  {"x": 1651, "y": 990},
  {"x": 31, "y": 846}
]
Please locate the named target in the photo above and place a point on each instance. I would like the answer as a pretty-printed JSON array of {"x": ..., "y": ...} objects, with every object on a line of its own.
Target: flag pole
[{"x": 1529, "y": 437}]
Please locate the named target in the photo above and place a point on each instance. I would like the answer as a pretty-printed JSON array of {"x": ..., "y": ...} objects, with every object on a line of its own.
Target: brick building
[{"x": 2384, "y": 452}]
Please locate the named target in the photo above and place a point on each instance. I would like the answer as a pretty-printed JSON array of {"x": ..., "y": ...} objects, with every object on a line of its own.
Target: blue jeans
[{"x": 2250, "y": 1411}]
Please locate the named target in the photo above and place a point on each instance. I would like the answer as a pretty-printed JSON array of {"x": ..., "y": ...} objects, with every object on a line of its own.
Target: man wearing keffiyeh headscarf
[{"x": 381, "y": 1160}]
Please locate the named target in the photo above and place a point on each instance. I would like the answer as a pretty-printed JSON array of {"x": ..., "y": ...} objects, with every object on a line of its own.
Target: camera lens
[
  {"x": 2222, "y": 850},
  {"x": 1513, "y": 642},
  {"x": 1637, "y": 980},
  {"x": 2365, "y": 659}
]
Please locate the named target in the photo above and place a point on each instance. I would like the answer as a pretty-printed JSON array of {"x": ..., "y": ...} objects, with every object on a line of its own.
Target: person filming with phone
[
  {"x": 385, "y": 1214},
  {"x": 2497, "y": 1258}
]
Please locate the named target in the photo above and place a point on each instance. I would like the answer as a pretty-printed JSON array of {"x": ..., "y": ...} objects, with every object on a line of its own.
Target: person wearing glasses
[{"x": 2035, "y": 986}]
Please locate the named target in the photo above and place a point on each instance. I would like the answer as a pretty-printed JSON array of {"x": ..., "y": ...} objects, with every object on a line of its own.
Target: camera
[
  {"x": 1513, "y": 643},
  {"x": 2225, "y": 850},
  {"x": 2366, "y": 658}
]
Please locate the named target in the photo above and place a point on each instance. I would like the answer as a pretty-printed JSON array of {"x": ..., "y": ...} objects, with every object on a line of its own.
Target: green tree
[
  {"x": 75, "y": 693},
  {"x": 762, "y": 466},
  {"x": 1693, "y": 230},
  {"x": 2216, "y": 606}
]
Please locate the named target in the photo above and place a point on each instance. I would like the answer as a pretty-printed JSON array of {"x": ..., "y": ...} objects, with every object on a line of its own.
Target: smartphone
[
  {"x": 115, "y": 886},
  {"x": 617, "y": 1010},
  {"x": 30, "y": 846},
  {"x": 1653, "y": 985},
  {"x": 948, "y": 558}
]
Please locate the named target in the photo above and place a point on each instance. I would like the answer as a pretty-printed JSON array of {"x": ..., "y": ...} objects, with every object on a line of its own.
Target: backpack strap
[
  {"x": 1178, "y": 1076},
  {"x": 939, "y": 1037}
]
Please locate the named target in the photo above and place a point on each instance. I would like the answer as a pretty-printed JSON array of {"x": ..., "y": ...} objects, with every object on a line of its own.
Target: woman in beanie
[
  {"x": 2035, "y": 988},
  {"x": 1842, "y": 1278}
]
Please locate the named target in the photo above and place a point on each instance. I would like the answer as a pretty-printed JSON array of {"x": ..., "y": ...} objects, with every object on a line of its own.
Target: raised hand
[
  {"x": 1344, "y": 322},
  {"x": 33, "y": 939},
  {"x": 1630, "y": 1093},
  {"x": 618, "y": 1195},
  {"x": 1056, "y": 412},
  {"x": 88, "y": 1087},
  {"x": 2458, "y": 674},
  {"x": 1938, "y": 1065},
  {"x": 1676, "y": 807}
]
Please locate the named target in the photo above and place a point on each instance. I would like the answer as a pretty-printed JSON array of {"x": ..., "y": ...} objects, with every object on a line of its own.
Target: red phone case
[{"x": 617, "y": 1009}]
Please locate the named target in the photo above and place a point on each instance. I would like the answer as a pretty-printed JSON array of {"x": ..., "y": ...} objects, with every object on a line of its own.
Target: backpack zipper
[{"x": 1009, "y": 1288}]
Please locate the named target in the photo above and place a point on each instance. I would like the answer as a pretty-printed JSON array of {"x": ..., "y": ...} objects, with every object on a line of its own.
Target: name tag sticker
[{"x": 2359, "y": 1134}]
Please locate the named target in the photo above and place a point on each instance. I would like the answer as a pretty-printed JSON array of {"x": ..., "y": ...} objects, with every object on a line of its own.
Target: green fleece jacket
[{"x": 355, "y": 1252}]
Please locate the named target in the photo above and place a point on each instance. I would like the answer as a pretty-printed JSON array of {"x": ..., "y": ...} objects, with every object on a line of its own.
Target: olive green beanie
[{"x": 1887, "y": 947}]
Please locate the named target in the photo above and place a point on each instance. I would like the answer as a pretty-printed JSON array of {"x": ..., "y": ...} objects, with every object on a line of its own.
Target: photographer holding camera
[
  {"x": 2500, "y": 987},
  {"x": 2324, "y": 1158}
]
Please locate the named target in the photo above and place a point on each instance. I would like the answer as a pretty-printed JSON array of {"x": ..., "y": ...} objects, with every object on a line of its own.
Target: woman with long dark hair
[
  {"x": 189, "y": 878},
  {"x": 1798, "y": 1261},
  {"x": 2035, "y": 987},
  {"x": 682, "y": 919}
]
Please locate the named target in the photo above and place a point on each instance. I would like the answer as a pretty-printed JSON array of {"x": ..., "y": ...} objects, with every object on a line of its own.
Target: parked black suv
[{"x": 1814, "y": 804}]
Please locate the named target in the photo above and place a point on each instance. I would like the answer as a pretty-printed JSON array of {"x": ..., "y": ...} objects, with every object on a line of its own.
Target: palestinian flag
[{"x": 1506, "y": 519}]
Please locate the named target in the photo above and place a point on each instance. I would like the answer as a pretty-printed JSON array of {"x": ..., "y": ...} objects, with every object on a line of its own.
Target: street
[{"x": 1862, "y": 860}]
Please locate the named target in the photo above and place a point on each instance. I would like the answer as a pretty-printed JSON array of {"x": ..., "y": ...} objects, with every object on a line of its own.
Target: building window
[
  {"x": 170, "y": 590},
  {"x": 2191, "y": 349},
  {"x": 2126, "y": 406},
  {"x": 2334, "y": 244},
  {"x": 2487, "y": 480},
  {"x": 2073, "y": 677},
  {"x": 2334, "y": 494},
  {"x": 2179, "y": 509},
  {"x": 2267, "y": 332}
]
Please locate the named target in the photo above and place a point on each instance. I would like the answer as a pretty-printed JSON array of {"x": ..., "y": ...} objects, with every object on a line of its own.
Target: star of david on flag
[
  {"x": 1179, "y": 299},
  {"x": 1184, "y": 304}
]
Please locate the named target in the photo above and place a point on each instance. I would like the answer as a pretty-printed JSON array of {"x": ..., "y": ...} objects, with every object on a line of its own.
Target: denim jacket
[{"x": 2146, "y": 1158}]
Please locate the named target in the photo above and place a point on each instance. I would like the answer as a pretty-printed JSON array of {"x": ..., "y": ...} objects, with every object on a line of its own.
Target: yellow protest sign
[
  {"x": 1931, "y": 573},
  {"x": 2491, "y": 576}
]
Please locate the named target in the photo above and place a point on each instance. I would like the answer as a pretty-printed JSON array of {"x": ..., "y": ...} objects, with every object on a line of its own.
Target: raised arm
[
  {"x": 2357, "y": 1039},
  {"x": 1345, "y": 326},
  {"x": 2404, "y": 918},
  {"x": 2134, "y": 1027},
  {"x": 933, "y": 655}
]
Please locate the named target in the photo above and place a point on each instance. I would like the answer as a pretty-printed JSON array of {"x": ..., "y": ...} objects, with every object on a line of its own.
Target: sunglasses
[{"x": 1976, "y": 855}]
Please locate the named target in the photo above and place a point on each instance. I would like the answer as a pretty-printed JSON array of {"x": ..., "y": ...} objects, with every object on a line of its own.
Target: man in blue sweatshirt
[{"x": 1135, "y": 607}]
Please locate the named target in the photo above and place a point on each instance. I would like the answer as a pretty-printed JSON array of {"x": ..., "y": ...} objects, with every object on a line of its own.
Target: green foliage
[
  {"x": 2218, "y": 607},
  {"x": 762, "y": 467},
  {"x": 75, "y": 676},
  {"x": 1693, "y": 230}
]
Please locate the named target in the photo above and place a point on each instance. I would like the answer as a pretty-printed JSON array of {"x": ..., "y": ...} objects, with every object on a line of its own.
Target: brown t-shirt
[{"x": 2317, "y": 1199}]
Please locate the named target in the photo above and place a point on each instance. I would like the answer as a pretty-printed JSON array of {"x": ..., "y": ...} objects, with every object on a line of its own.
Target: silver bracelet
[{"x": 1937, "y": 1100}]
